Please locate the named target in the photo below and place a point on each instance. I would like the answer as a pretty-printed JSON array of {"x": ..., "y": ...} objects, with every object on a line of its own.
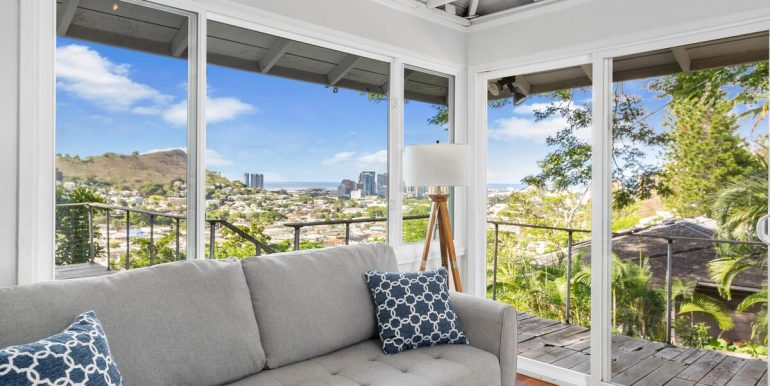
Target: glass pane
[
  {"x": 296, "y": 145},
  {"x": 689, "y": 279},
  {"x": 539, "y": 218},
  {"x": 121, "y": 137},
  {"x": 427, "y": 119}
]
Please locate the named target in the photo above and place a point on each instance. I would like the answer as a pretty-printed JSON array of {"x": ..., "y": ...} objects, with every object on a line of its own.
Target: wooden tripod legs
[{"x": 440, "y": 212}]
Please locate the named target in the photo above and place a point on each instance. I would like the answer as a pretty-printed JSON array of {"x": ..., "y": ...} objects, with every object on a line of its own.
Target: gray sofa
[{"x": 300, "y": 318}]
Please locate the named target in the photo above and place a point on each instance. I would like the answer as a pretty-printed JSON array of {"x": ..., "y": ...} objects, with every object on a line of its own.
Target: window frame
[
  {"x": 35, "y": 226},
  {"x": 601, "y": 191}
]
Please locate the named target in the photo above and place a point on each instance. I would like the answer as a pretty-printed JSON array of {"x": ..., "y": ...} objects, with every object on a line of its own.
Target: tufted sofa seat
[
  {"x": 365, "y": 364},
  {"x": 297, "y": 318}
]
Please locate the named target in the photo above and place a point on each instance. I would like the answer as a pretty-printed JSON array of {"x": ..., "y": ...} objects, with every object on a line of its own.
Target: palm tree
[{"x": 737, "y": 209}]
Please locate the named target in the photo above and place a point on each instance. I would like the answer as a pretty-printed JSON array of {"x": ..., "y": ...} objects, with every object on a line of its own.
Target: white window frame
[
  {"x": 37, "y": 119},
  {"x": 602, "y": 59}
]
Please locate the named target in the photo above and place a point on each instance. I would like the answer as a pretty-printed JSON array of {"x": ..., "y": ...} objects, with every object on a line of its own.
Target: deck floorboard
[{"x": 636, "y": 362}]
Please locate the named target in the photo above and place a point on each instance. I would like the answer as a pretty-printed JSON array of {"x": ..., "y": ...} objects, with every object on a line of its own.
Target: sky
[
  {"x": 516, "y": 141},
  {"x": 116, "y": 100}
]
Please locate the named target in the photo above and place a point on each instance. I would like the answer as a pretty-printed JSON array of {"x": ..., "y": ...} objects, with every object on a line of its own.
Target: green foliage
[
  {"x": 164, "y": 249},
  {"x": 695, "y": 335},
  {"x": 376, "y": 211},
  {"x": 705, "y": 152},
  {"x": 759, "y": 327},
  {"x": 569, "y": 163},
  {"x": 72, "y": 238},
  {"x": 415, "y": 230}
]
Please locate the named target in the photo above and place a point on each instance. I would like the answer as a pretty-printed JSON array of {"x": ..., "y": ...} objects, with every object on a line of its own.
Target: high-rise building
[
  {"x": 382, "y": 184},
  {"x": 254, "y": 180},
  {"x": 368, "y": 181},
  {"x": 345, "y": 187}
]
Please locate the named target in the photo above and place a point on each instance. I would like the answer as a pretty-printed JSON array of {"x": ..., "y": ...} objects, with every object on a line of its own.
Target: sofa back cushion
[
  {"x": 183, "y": 323},
  {"x": 310, "y": 303}
]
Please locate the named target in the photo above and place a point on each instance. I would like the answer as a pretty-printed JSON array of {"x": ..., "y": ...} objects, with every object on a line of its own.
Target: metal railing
[
  {"x": 632, "y": 233},
  {"x": 347, "y": 222},
  {"x": 176, "y": 219},
  {"x": 260, "y": 247}
]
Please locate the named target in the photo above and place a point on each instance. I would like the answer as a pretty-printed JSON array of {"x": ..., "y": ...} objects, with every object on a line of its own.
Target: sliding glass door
[
  {"x": 539, "y": 218},
  {"x": 689, "y": 183}
]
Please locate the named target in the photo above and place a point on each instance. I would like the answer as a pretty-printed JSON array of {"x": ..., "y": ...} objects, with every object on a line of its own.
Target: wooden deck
[
  {"x": 74, "y": 271},
  {"x": 636, "y": 362}
]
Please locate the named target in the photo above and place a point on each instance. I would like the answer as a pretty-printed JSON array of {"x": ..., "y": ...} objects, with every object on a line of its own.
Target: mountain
[{"x": 129, "y": 170}]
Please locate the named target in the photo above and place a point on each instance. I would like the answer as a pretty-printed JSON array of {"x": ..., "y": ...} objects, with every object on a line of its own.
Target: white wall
[
  {"x": 9, "y": 82},
  {"x": 374, "y": 21},
  {"x": 592, "y": 24}
]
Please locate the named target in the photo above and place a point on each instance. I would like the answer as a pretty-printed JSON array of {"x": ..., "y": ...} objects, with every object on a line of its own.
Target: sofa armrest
[{"x": 490, "y": 326}]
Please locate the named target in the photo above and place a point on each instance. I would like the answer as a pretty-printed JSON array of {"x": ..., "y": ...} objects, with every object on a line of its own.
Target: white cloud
[
  {"x": 376, "y": 160},
  {"x": 523, "y": 125},
  {"x": 214, "y": 158},
  {"x": 217, "y": 110},
  {"x": 90, "y": 76},
  {"x": 338, "y": 158}
]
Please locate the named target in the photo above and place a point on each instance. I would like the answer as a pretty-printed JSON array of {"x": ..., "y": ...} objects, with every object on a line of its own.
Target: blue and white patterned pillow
[
  {"x": 413, "y": 310},
  {"x": 79, "y": 355}
]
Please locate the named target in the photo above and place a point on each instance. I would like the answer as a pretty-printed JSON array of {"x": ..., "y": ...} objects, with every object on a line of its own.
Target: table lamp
[{"x": 439, "y": 166}]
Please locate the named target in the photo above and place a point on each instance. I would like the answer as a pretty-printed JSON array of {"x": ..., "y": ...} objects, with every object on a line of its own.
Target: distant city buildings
[
  {"x": 345, "y": 188},
  {"x": 382, "y": 185},
  {"x": 254, "y": 180},
  {"x": 368, "y": 183}
]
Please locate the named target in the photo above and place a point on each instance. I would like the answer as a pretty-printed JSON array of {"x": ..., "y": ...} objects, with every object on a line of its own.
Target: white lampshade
[{"x": 437, "y": 165}]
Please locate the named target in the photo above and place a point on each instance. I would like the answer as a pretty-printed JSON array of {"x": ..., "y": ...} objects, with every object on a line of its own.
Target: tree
[
  {"x": 568, "y": 165},
  {"x": 73, "y": 244},
  {"x": 704, "y": 154}
]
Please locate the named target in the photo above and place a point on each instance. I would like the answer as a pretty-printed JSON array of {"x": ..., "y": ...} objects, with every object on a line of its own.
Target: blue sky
[{"x": 117, "y": 100}]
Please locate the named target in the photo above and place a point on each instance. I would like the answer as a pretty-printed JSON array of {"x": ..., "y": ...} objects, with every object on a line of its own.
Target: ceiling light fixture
[
  {"x": 516, "y": 94},
  {"x": 115, "y": 6}
]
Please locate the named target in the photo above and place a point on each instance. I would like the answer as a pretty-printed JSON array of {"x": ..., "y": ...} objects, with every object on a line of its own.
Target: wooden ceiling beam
[
  {"x": 588, "y": 70},
  {"x": 70, "y": 6},
  {"x": 682, "y": 58},
  {"x": 473, "y": 8},
  {"x": 179, "y": 42},
  {"x": 272, "y": 56},
  {"x": 342, "y": 68},
  {"x": 437, "y": 3}
]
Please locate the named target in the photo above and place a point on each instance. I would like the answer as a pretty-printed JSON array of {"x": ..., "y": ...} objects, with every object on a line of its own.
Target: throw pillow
[
  {"x": 79, "y": 355},
  {"x": 413, "y": 310}
]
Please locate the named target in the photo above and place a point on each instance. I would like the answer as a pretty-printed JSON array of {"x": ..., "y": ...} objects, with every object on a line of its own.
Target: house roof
[{"x": 690, "y": 258}]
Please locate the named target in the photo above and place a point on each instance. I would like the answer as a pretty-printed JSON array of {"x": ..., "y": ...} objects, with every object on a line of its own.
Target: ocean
[
  {"x": 301, "y": 185},
  {"x": 330, "y": 185}
]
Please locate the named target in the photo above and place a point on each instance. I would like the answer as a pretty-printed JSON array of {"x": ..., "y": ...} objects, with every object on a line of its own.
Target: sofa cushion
[
  {"x": 413, "y": 310},
  {"x": 79, "y": 355},
  {"x": 313, "y": 302},
  {"x": 365, "y": 364},
  {"x": 183, "y": 323}
]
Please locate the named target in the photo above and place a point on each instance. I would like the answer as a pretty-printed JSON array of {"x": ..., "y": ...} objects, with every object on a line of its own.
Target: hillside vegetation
[{"x": 130, "y": 171}]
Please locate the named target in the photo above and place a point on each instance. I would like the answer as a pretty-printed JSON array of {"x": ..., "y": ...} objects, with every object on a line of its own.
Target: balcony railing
[
  {"x": 347, "y": 222},
  {"x": 260, "y": 247},
  {"x": 152, "y": 216},
  {"x": 670, "y": 240}
]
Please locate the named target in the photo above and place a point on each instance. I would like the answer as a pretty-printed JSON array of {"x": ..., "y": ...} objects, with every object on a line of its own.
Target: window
[
  {"x": 539, "y": 217},
  {"x": 122, "y": 86},
  {"x": 296, "y": 145},
  {"x": 428, "y": 118},
  {"x": 689, "y": 185}
]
